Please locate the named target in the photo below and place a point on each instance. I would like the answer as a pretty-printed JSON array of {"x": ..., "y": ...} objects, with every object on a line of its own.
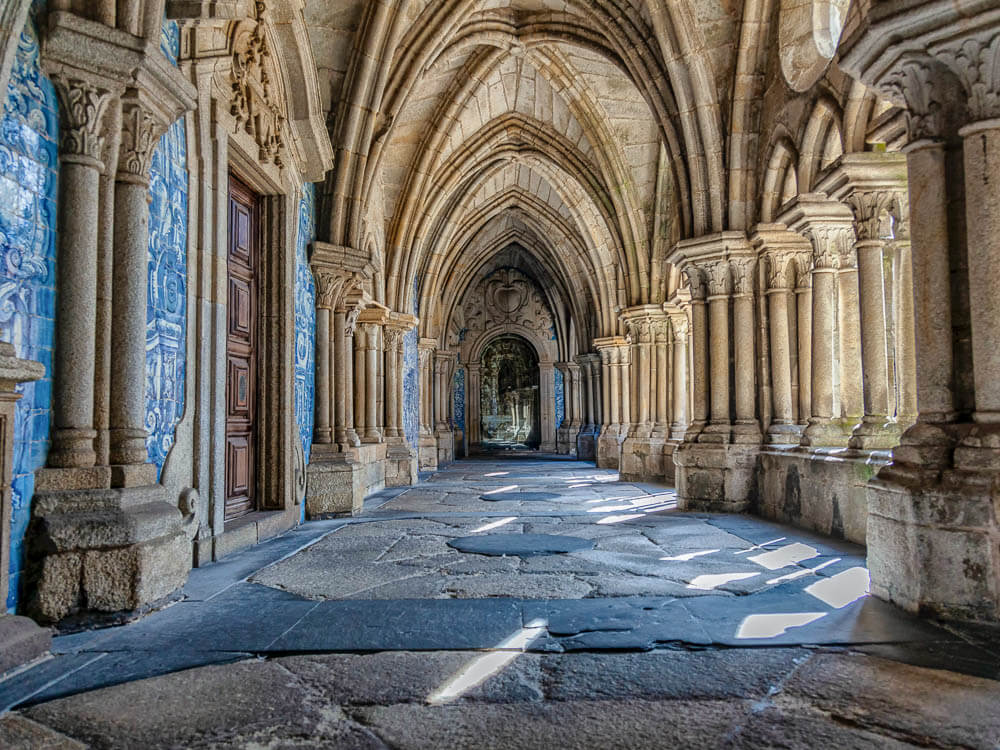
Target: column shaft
[
  {"x": 852, "y": 405},
  {"x": 323, "y": 433},
  {"x": 699, "y": 361},
  {"x": 371, "y": 385},
  {"x": 804, "y": 304},
  {"x": 781, "y": 375},
  {"x": 743, "y": 346},
  {"x": 360, "y": 389},
  {"x": 718, "y": 311}
]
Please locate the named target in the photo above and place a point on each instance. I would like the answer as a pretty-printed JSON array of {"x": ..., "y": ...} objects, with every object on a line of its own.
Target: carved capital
[
  {"x": 743, "y": 275},
  {"x": 833, "y": 247},
  {"x": 140, "y": 132},
  {"x": 976, "y": 63},
  {"x": 680, "y": 326},
  {"x": 803, "y": 266},
  {"x": 393, "y": 338},
  {"x": 696, "y": 279},
  {"x": 900, "y": 211},
  {"x": 82, "y": 109},
  {"x": 779, "y": 269},
  {"x": 872, "y": 214},
  {"x": 719, "y": 278}
]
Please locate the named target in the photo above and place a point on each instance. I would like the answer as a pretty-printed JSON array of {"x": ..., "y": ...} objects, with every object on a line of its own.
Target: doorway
[
  {"x": 509, "y": 400},
  {"x": 241, "y": 350}
]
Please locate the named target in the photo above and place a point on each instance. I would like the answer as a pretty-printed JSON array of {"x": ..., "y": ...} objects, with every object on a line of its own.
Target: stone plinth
[
  {"x": 642, "y": 460},
  {"x": 715, "y": 478},
  {"x": 336, "y": 485},
  {"x": 445, "y": 446},
  {"x": 401, "y": 466},
  {"x": 609, "y": 449},
  {"x": 105, "y": 550}
]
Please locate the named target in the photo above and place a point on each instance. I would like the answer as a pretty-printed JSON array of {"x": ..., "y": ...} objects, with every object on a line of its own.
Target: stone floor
[{"x": 655, "y": 629}]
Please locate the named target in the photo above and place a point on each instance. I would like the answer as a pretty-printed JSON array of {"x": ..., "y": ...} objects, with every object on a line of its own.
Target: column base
[
  {"x": 72, "y": 448},
  {"x": 715, "y": 478},
  {"x": 784, "y": 434},
  {"x": 875, "y": 433},
  {"x": 427, "y": 452},
  {"x": 401, "y": 469},
  {"x": 105, "y": 551},
  {"x": 609, "y": 448},
  {"x": 566, "y": 441},
  {"x": 336, "y": 486},
  {"x": 445, "y": 446},
  {"x": 21, "y": 641},
  {"x": 826, "y": 433},
  {"x": 932, "y": 543},
  {"x": 642, "y": 460},
  {"x": 586, "y": 442},
  {"x": 133, "y": 475},
  {"x": 716, "y": 432}
]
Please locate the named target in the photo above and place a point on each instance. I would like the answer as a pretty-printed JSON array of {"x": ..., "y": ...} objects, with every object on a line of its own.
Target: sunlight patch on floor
[
  {"x": 843, "y": 588},
  {"x": 773, "y": 625}
]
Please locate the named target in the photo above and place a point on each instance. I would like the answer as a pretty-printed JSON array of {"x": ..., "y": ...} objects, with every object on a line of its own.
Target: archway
[{"x": 509, "y": 395}]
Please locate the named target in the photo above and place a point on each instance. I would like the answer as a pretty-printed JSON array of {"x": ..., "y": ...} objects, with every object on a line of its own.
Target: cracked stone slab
[
  {"x": 500, "y": 497},
  {"x": 521, "y": 545}
]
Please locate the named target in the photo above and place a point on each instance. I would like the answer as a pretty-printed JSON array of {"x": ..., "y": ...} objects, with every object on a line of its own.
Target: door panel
[{"x": 241, "y": 341}]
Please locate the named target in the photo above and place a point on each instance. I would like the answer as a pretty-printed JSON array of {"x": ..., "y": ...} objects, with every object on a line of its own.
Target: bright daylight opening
[{"x": 482, "y": 668}]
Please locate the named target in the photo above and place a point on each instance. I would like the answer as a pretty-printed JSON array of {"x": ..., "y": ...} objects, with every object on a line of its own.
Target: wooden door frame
[{"x": 275, "y": 417}]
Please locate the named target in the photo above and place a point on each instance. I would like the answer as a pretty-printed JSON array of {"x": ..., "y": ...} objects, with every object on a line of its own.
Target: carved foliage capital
[
  {"x": 393, "y": 338},
  {"x": 719, "y": 278},
  {"x": 140, "y": 132},
  {"x": 918, "y": 87},
  {"x": 780, "y": 269},
  {"x": 872, "y": 214},
  {"x": 833, "y": 246},
  {"x": 680, "y": 327},
  {"x": 976, "y": 63},
  {"x": 82, "y": 112},
  {"x": 743, "y": 275}
]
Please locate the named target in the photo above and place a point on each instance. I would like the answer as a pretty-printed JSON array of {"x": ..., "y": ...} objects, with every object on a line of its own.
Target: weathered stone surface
[{"x": 523, "y": 545}]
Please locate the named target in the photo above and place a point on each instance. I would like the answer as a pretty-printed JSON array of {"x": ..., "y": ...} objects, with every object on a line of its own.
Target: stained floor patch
[
  {"x": 519, "y": 497},
  {"x": 520, "y": 545}
]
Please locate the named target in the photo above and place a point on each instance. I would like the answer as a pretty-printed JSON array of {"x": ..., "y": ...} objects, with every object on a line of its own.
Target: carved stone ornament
[
  {"x": 976, "y": 63},
  {"x": 83, "y": 108},
  {"x": 719, "y": 278},
  {"x": 253, "y": 104},
  {"x": 680, "y": 328},
  {"x": 832, "y": 247},
  {"x": 140, "y": 134},
  {"x": 743, "y": 275},
  {"x": 393, "y": 338},
  {"x": 351, "y": 321},
  {"x": 916, "y": 87},
  {"x": 803, "y": 266},
  {"x": 696, "y": 279},
  {"x": 900, "y": 211},
  {"x": 777, "y": 270},
  {"x": 872, "y": 214}
]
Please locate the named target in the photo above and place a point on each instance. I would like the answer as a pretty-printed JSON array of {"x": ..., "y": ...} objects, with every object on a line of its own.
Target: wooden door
[{"x": 241, "y": 343}]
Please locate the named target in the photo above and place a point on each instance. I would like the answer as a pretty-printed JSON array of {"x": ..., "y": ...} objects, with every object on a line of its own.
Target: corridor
[{"x": 520, "y": 603}]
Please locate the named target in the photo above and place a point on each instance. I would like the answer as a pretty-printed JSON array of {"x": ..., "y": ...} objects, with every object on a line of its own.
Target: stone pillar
[
  {"x": 905, "y": 339},
  {"x": 344, "y": 324},
  {"x": 699, "y": 354},
  {"x": 783, "y": 253},
  {"x": 719, "y": 290},
  {"x": 852, "y": 406},
  {"x": 371, "y": 339},
  {"x": 546, "y": 385},
  {"x": 661, "y": 334},
  {"x": 444, "y": 368},
  {"x": 428, "y": 445},
  {"x": 323, "y": 430},
  {"x": 472, "y": 405},
  {"x": 583, "y": 384},
  {"x": 679, "y": 416},
  {"x": 746, "y": 428},
  {"x": 82, "y": 109},
  {"x": 829, "y": 225},
  {"x": 393, "y": 381},
  {"x": 359, "y": 390},
  {"x": 803, "y": 327},
  {"x": 932, "y": 524}
]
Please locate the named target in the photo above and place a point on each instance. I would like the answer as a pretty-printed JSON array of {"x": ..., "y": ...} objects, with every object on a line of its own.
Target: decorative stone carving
[
  {"x": 778, "y": 266},
  {"x": 743, "y": 275},
  {"x": 680, "y": 327},
  {"x": 253, "y": 105},
  {"x": 719, "y": 278},
  {"x": 803, "y": 266},
  {"x": 82, "y": 110},
  {"x": 899, "y": 209},
  {"x": 976, "y": 63},
  {"x": 872, "y": 214},
  {"x": 140, "y": 133},
  {"x": 393, "y": 339},
  {"x": 510, "y": 298},
  {"x": 832, "y": 247},
  {"x": 916, "y": 86}
]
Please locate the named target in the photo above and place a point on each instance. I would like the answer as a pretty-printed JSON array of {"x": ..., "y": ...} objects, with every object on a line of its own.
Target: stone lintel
[
  {"x": 711, "y": 247},
  {"x": 341, "y": 258},
  {"x": 610, "y": 342},
  {"x": 427, "y": 344},
  {"x": 374, "y": 314},
  {"x": 778, "y": 237},
  {"x": 402, "y": 321},
  {"x": 640, "y": 312},
  {"x": 863, "y": 172},
  {"x": 814, "y": 209}
]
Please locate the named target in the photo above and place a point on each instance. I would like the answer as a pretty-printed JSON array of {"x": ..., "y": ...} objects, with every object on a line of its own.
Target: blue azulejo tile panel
[
  {"x": 305, "y": 320},
  {"x": 28, "y": 187},
  {"x": 166, "y": 302},
  {"x": 560, "y": 391},
  {"x": 459, "y": 407},
  {"x": 411, "y": 378},
  {"x": 170, "y": 40}
]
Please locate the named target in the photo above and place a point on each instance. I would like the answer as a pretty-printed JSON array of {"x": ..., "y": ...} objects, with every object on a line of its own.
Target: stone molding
[
  {"x": 708, "y": 263},
  {"x": 84, "y": 104},
  {"x": 829, "y": 226}
]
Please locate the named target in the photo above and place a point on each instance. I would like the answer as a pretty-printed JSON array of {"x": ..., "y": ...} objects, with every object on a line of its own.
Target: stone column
[
  {"x": 574, "y": 402},
  {"x": 344, "y": 324},
  {"x": 902, "y": 274},
  {"x": 778, "y": 294},
  {"x": 679, "y": 417},
  {"x": 877, "y": 430},
  {"x": 393, "y": 381},
  {"x": 803, "y": 327},
  {"x": 699, "y": 353},
  {"x": 607, "y": 405},
  {"x": 661, "y": 333},
  {"x": 746, "y": 428},
  {"x": 625, "y": 380},
  {"x": 141, "y": 128},
  {"x": 547, "y": 398},
  {"x": 719, "y": 290},
  {"x": 472, "y": 407},
  {"x": 829, "y": 225},
  {"x": 371, "y": 339},
  {"x": 82, "y": 109},
  {"x": 323, "y": 431},
  {"x": 359, "y": 391}
]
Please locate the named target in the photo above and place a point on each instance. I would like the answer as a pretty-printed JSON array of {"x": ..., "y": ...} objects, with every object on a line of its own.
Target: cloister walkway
[{"x": 520, "y": 603}]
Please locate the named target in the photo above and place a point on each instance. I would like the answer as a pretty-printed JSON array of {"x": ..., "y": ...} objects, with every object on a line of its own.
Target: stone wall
[{"x": 28, "y": 188}]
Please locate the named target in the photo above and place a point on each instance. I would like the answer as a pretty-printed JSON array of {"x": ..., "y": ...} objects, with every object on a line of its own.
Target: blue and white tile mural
[
  {"x": 459, "y": 407},
  {"x": 166, "y": 302},
  {"x": 411, "y": 378},
  {"x": 305, "y": 320},
  {"x": 560, "y": 391},
  {"x": 29, "y": 170}
]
